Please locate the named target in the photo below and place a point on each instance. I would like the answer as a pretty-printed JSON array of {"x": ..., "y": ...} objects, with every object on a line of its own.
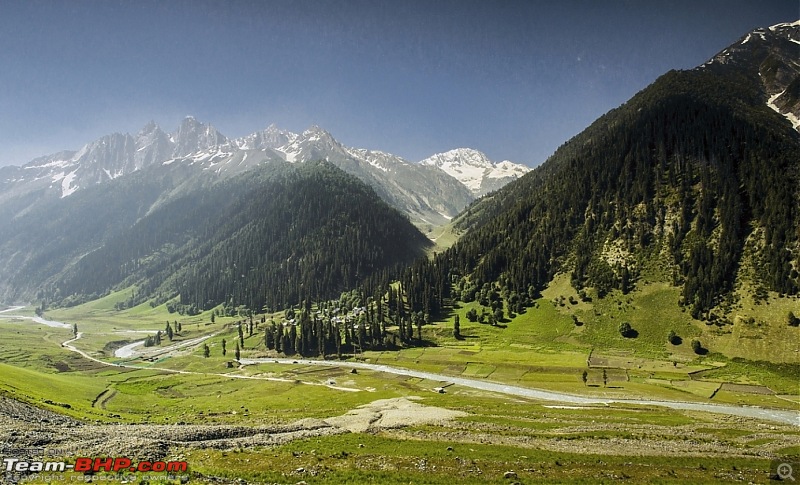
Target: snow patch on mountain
[
  {"x": 775, "y": 27},
  {"x": 50, "y": 164},
  {"x": 385, "y": 162},
  {"x": 114, "y": 175},
  {"x": 793, "y": 119},
  {"x": 66, "y": 184},
  {"x": 291, "y": 152}
]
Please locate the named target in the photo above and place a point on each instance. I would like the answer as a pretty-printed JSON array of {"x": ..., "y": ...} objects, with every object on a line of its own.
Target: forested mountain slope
[
  {"x": 692, "y": 177},
  {"x": 271, "y": 238}
]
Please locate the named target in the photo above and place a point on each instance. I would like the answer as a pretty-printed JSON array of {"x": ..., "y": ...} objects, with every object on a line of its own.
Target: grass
[
  {"x": 523, "y": 435},
  {"x": 380, "y": 458},
  {"x": 443, "y": 237},
  {"x": 541, "y": 348},
  {"x": 101, "y": 315},
  {"x": 70, "y": 394}
]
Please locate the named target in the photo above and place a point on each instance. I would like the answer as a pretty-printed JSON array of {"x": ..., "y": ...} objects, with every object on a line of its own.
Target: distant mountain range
[
  {"x": 431, "y": 192},
  {"x": 63, "y": 211}
]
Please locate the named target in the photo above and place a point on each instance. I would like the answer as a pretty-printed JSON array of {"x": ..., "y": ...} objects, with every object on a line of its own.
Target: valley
[
  {"x": 505, "y": 423},
  {"x": 283, "y": 308}
]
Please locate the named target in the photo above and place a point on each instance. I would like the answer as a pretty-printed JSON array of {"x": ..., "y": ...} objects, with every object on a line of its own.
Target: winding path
[{"x": 775, "y": 415}]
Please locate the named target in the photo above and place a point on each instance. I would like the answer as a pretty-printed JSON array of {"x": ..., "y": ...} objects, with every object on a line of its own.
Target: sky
[{"x": 514, "y": 79}]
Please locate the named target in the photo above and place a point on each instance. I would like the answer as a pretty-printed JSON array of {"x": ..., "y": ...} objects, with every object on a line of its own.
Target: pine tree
[
  {"x": 338, "y": 340},
  {"x": 268, "y": 339},
  {"x": 237, "y": 352},
  {"x": 224, "y": 350},
  {"x": 456, "y": 328},
  {"x": 206, "y": 351}
]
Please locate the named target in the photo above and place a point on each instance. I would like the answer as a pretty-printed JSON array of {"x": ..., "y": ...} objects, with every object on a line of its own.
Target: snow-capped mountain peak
[
  {"x": 385, "y": 162},
  {"x": 475, "y": 170}
]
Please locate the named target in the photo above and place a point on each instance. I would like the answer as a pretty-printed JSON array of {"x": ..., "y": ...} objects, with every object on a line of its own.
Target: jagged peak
[
  {"x": 315, "y": 130},
  {"x": 270, "y": 137},
  {"x": 150, "y": 127},
  {"x": 749, "y": 47},
  {"x": 316, "y": 133},
  {"x": 190, "y": 123}
]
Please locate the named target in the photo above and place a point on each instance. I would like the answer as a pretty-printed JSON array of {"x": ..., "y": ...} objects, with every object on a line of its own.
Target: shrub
[{"x": 672, "y": 337}]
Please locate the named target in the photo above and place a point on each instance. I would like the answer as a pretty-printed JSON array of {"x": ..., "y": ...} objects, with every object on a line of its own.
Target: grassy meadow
[{"x": 536, "y": 441}]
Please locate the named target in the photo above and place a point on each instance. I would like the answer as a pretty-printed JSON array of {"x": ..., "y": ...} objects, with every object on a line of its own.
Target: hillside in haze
[
  {"x": 269, "y": 239},
  {"x": 273, "y": 237}
]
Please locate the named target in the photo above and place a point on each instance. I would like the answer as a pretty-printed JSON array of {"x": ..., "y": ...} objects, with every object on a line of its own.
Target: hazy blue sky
[{"x": 513, "y": 79}]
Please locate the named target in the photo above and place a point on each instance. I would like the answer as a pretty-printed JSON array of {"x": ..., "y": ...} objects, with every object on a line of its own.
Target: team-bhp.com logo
[
  {"x": 126, "y": 464},
  {"x": 86, "y": 465}
]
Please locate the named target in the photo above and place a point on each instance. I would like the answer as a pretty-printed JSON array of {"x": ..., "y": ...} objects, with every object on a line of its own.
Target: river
[
  {"x": 775, "y": 415},
  {"x": 781, "y": 416}
]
